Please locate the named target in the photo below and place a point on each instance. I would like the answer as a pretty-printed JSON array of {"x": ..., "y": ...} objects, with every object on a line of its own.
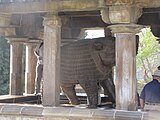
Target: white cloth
[{"x": 39, "y": 53}]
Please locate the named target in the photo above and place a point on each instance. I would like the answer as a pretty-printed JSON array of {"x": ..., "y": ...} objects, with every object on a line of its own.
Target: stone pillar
[
  {"x": 125, "y": 15},
  {"x": 126, "y": 83},
  {"x": 16, "y": 51},
  {"x": 52, "y": 39},
  {"x": 30, "y": 71}
]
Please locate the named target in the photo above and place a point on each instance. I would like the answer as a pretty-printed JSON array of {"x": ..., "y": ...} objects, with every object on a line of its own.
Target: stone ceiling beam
[
  {"x": 140, "y": 3},
  {"x": 149, "y": 3},
  {"x": 35, "y": 7}
]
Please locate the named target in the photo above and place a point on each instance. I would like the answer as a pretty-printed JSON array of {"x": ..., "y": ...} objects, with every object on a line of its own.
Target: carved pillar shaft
[
  {"x": 16, "y": 81},
  {"x": 30, "y": 72},
  {"x": 126, "y": 84},
  {"x": 52, "y": 38}
]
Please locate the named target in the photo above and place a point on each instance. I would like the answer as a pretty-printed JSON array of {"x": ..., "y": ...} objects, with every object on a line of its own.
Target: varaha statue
[{"x": 88, "y": 62}]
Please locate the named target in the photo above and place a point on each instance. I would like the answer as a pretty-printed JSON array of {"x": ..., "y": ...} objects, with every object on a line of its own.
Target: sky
[{"x": 94, "y": 33}]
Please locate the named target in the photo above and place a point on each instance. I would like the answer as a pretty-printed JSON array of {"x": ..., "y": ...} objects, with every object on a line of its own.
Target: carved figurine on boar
[{"x": 88, "y": 62}]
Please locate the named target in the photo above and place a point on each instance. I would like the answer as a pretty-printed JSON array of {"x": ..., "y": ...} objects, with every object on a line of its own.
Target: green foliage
[
  {"x": 140, "y": 85},
  {"x": 4, "y": 66},
  {"x": 148, "y": 53},
  {"x": 148, "y": 47},
  {"x": 148, "y": 56}
]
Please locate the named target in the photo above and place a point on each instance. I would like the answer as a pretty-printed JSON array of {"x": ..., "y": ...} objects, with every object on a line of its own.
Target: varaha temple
[{"x": 69, "y": 59}]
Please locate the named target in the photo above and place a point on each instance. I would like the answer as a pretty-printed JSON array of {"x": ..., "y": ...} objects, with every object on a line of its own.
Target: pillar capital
[
  {"x": 52, "y": 20},
  {"x": 125, "y": 28},
  {"x": 13, "y": 40},
  {"x": 32, "y": 42},
  {"x": 124, "y": 13},
  {"x": 121, "y": 13}
]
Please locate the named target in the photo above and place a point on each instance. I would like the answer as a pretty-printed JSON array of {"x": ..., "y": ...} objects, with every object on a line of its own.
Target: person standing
[
  {"x": 39, "y": 68},
  {"x": 150, "y": 95}
]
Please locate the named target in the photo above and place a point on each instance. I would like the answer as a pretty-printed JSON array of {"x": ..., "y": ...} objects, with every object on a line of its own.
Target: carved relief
[
  {"x": 124, "y": 13},
  {"x": 142, "y": 3},
  {"x": 115, "y": 2},
  {"x": 52, "y": 21},
  {"x": 105, "y": 15}
]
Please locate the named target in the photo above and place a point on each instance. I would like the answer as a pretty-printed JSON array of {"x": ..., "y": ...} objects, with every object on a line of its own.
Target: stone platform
[{"x": 38, "y": 112}]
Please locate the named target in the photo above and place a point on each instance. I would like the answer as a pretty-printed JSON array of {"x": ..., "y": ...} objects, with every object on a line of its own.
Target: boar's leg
[
  {"x": 91, "y": 90},
  {"x": 69, "y": 91},
  {"x": 109, "y": 88}
]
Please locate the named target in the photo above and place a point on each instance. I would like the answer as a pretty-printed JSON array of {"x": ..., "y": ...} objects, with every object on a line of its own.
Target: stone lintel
[
  {"x": 140, "y": 3},
  {"x": 148, "y": 3},
  {"x": 70, "y": 5},
  {"x": 8, "y": 26},
  {"x": 33, "y": 7}
]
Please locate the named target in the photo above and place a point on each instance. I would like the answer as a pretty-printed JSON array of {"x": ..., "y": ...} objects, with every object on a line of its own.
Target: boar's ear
[{"x": 98, "y": 46}]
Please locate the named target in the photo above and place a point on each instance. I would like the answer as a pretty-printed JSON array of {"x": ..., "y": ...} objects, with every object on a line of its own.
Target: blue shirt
[{"x": 151, "y": 92}]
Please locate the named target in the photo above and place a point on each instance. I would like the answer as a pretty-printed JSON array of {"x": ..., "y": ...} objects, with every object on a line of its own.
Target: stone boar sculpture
[{"x": 88, "y": 62}]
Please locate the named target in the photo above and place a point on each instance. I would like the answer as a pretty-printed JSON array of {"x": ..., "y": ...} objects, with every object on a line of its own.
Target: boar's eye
[{"x": 98, "y": 46}]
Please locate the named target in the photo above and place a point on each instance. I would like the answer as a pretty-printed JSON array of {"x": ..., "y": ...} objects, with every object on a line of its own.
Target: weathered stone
[
  {"x": 32, "y": 111},
  {"x": 88, "y": 62},
  {"x": 124, "y": 13},
  {"x": 5, "y": 20},
  {"x": 125, "y": 65},
  {"x": 105, "y": 15},
  {"x": 31, "y": 62},
  {"x": 52, "y": 38},
  {"x": 16, "y": 81},
  {"x": 141, "y": 3},
  {"x": 47, "y": 6},
  {"x": 58, "y": 111},
  {"x": 11, "y": 109},
  {"x": 119, "y": 2}
]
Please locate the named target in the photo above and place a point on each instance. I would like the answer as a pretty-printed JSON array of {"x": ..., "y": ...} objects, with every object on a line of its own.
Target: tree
[
  {"x": 4, "y": 66},
  {"x": 148, "y": 54}
]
